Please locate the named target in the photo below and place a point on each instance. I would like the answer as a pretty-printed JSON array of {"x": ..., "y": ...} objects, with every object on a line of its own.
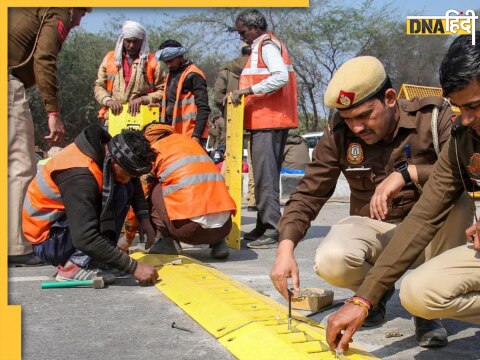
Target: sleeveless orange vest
[
  {"x": 184, "y": 110},
  {"x": 112, "y": 69},
  {"x": 43, "y": 203},
  {"x": 277, "y": 110},
  {"x": 191, "y": 184}
]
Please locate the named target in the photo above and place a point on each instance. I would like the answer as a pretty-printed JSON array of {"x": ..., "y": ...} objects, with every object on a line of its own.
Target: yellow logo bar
[{"x": 453, "y": 23}]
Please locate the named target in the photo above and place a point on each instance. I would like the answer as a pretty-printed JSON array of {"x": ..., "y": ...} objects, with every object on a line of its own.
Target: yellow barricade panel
[
  {"x": 249, "y": 324},
  {"x": 233, "y": 162},
  {"x": 116, "y": 123}
]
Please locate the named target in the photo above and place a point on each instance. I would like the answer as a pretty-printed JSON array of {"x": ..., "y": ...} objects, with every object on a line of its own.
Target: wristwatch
[{"x": 402, "y": 168}]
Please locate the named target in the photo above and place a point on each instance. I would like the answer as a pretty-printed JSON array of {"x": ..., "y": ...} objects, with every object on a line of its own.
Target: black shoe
[
  {"x": 25, "y": 260},
  {"x": 219, "y": 250},
  {"x": 376, "y": 315},
  {"x": 254, "y": 234},
  {"x": 252, "y": 208},
  {"x": 267, "y": 241},
  {"x": 166, "y": 246},
  {"x": 430, "y": 333}
]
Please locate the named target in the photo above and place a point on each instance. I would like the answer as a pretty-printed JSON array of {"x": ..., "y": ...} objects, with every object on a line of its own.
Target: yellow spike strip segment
[
  {"x": 249, "y": 324},
  {"x": 233, "y": 173}
]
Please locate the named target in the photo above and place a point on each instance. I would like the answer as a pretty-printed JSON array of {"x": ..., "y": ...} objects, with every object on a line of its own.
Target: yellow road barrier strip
[{"x": 250, "y": 325}]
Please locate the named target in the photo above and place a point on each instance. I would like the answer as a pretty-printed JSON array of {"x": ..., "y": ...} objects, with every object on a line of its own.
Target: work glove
[{"x": 147, "y": 229}]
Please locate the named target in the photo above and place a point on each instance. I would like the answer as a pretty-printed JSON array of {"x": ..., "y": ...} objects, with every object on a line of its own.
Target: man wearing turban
[{"x": 129, "y": 74}]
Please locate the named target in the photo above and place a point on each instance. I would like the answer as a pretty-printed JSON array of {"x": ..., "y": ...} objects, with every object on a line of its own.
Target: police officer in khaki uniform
[
  {"x": 384, "y": 148},
  {"x": 35, "y": 37},
  {"x": 447, "y": 286}
]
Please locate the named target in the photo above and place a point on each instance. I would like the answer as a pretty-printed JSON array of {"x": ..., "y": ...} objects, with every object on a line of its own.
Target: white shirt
[{"x": 278, "y": 78}]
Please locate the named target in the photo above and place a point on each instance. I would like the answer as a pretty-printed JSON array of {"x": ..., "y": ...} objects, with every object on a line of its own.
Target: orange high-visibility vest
[
  {"x": 191, "y": 184},
  {"x": 43, "y": 203},
  {"x": 112, "y": 69},
  {"x": 277, "y": 110},
  {"x": 184, "y": 110}
]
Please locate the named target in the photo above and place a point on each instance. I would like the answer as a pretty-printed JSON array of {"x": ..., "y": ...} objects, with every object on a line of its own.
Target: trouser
[
  {"x": 267, "y": 155},
  {"x": 251, "y": 182},
  {"x": 186, "y": 231},
  {"x": 21, "y": 163},
  {"x": 354, "y": 244},
  {"x": 447, "y": 286},
  {"x": 59, "y": 248}
]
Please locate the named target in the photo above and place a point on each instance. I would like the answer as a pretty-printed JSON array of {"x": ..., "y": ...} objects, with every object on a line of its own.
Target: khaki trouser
[
  {"x": 354, "y": 244},
  {"x": 447, "y": 286},
  {"x": 21, "y": 163},
  {"x": 251, "y": 182}
]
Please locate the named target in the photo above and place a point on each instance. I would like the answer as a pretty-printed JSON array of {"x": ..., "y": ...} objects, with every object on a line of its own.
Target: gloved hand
[{"x": 146, "y": 228}]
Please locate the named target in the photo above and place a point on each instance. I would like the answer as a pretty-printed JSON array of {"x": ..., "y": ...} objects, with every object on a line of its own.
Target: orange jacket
[
  {"x": 184, "y": 110},
  {"x": 191, "y": 184},
  {"x": 43, "y": 203},
  {"x": 112, "y": 70},
  {"x": 277, "y": 110}
]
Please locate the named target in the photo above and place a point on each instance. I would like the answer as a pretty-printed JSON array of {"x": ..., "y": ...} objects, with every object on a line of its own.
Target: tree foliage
[{"x": 319, "y": 39}]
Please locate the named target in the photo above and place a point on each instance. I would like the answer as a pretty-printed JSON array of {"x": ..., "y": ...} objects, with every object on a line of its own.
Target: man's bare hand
[
  {"x": 342, "y": 324},
  {"x": 473, "y": 235},
  {"x": 285, "y": 267},
  {"x": 237, "y": 95},
  {"x": 384, "y": 193},
  {"x": 134, "y": 105},
  {"x": 145, "y": 274},
  {"x": 115, "y": 106},
  {"x": 57, "y": 130}
]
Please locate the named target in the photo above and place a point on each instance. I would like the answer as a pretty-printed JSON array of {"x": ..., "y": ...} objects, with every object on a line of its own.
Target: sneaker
[
  {"x": 167, "y": 246},
  {"x": 71, "y": 271},
  {"x": 267, "y": 241},
  {"x": 376, "y": 315},
  {"x": 219, "y": 250},
  {"x": 254, "y": 234},
  {"x": 430, "y": 333},
  {"x": 25, "y": 260}
]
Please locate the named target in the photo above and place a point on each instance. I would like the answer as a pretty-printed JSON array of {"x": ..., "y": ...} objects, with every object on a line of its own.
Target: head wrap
[
  {"x": 170, "y": 53},
  {"x": 132, "y": 29},
  {"x": 153, "y": 132},
  {"x": 124, "y": 156}
]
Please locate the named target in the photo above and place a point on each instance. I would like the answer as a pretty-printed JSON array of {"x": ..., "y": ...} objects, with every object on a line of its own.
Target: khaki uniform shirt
[
  {"x": 41, "y": 69},
  {"x": 419, "y": 228},
  {"x": 366, "y": 166},
  {"x": 137, "y": 87}
]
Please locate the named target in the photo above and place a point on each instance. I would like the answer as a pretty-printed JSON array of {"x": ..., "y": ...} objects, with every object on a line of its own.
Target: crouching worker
[
  {"x": 75, "y": 207},
  {"x": 191, "y": 202}
]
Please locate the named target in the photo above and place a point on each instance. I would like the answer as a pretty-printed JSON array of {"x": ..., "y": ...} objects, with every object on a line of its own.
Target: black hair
[
  {"x": 139, "y": 145},
  {"x": 380, "y": 94},
  {"x": 169, "y": 43},
  {"x": 460, "y": 65},
  {"x": 251, "y": 18}
]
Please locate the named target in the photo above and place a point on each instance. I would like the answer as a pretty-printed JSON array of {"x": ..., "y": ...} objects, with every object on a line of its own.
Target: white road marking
[{"x": 29, "y": 278}]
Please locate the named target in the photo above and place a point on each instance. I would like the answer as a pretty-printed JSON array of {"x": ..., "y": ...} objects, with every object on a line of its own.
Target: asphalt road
[{"x": 127, "y": 321}]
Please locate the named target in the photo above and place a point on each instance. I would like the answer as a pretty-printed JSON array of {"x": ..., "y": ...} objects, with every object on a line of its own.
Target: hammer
[{"x": 96, "y": 283}]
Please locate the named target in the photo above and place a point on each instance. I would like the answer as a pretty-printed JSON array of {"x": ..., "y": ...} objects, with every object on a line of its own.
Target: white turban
[{"x": 132, "y": 29}]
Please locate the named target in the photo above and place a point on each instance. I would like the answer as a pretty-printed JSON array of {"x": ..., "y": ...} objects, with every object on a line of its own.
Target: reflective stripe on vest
[
  {"x": 182, "y": 162},
  {"x": 43, "y": 204},
  {"x": 277, "y": 110},
  {"x": 191, "y": 180},
  {"x": 184, "y": 110},
  {"x": 191, "y": 184}
]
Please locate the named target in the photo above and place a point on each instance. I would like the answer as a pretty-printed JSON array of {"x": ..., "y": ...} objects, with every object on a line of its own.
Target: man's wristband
[
  {"x": 357, "y": 300},
  {"x": 402, "y": 168}
]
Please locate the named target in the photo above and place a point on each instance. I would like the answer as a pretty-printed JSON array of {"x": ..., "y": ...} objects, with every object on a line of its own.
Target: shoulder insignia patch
[
  {"x": 62, "y": 31},
  {"x": 355, "y": 154}
]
